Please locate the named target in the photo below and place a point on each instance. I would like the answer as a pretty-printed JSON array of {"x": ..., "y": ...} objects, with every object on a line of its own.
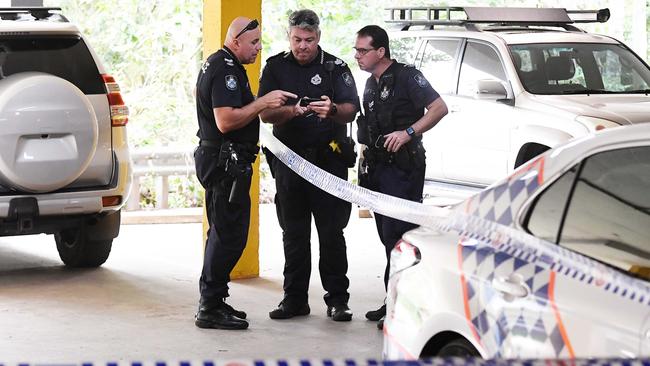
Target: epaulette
[
  {"x": 278, "y": 56},
  {"x": 340, "y": 62},
  {"x": 229, "y": 61}
]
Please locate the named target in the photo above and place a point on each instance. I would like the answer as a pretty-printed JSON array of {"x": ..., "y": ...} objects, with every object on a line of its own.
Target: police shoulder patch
[
  {"x": 421, "y": 80},
  {"x": 205, "y": 66},
  {"x": 348, "y": 79},
  {"x": 231, "y": 82}
]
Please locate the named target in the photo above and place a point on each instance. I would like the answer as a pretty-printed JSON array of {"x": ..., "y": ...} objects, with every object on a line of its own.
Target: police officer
[
  {"x": 228, "y": 131},
  {"x": 394, "y": 101},
  {"x": 316, "y": 131}
]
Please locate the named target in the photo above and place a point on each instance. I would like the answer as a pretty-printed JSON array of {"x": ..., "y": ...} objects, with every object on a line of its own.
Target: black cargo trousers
[
  {"x": 228, "y": 224},
  {"x": 407, "y": 183},
  {"x": 296, "y": 201}
]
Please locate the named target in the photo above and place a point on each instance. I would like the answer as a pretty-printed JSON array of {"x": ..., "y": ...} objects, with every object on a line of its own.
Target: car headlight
[
  {"x": 403, "y": 256},
  {"x": 596, "y": 124}
]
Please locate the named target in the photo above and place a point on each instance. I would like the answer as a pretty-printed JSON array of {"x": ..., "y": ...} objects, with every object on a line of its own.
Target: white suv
[
  {"x": 517, "y": 82},
  {"x": 64, "y": 159}
]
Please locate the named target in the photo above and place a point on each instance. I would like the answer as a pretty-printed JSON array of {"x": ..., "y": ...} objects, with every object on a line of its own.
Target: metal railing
[{"x": 159, "y": 163}]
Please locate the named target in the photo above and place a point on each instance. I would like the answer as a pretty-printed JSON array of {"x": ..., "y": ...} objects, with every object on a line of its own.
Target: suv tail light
[
  {"x": 119, "y": 111},
  {"x": 403, "y": 256}
]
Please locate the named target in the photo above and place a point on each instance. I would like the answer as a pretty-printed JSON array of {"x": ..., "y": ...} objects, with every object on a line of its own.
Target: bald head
[
  {"x": 243, "y": 39},
  {"x": 236, "y": 26}
]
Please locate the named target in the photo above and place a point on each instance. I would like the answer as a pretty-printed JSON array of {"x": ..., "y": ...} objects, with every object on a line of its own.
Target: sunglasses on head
[
  {"x": 250, "y": 26},
  {"x": 302, "y": 19}
]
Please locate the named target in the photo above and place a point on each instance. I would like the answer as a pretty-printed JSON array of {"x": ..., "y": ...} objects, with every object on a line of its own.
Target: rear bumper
[{"x": 62, "y": 209}]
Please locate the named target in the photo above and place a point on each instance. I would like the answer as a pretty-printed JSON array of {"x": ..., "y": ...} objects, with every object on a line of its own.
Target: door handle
[{"x": 511, "y": 287}]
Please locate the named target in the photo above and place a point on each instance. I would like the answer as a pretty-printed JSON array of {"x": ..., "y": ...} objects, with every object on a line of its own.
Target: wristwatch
[
  {"x": 333, "y": 110},
  {"x": 410, "y": 131}
]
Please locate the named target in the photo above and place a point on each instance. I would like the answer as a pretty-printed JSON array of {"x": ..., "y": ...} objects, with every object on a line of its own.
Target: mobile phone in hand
[{"x": 304, "y": 101}]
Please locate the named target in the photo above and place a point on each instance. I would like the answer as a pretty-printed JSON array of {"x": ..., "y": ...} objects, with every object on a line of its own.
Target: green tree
[{"x": 153, "y": 49}]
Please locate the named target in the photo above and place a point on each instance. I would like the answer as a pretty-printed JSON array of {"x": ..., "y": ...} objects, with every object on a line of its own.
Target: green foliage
[{"x": 153, "y": 49}]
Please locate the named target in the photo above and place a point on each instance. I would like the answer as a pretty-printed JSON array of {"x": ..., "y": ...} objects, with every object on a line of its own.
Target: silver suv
[
  {"x": 517, "y": 81},
  {"x": 64, "y": 159}
]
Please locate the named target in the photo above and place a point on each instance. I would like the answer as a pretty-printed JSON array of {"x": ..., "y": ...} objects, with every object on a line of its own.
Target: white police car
[{"x": 551, "y": 262}]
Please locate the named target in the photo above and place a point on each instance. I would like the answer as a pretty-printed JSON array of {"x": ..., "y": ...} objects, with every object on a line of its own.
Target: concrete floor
[{"x": 140, "y": 305}]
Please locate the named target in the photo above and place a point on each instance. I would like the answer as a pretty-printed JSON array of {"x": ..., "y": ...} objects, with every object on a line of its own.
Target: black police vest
[{"x": 385, "y": 104}]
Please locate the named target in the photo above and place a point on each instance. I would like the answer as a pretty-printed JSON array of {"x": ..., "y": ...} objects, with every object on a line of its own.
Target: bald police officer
[
  {"x": 228, "y": 131},
  {"x": 394, "y": 101},
  {"x": 314, "y": 130}
]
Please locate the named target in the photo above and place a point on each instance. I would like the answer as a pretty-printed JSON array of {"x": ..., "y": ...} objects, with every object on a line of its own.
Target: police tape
[
  {"x": 485, "y": 232},
  {"x": 381, "y": 203},
  {"x": 453, "y": 361}
]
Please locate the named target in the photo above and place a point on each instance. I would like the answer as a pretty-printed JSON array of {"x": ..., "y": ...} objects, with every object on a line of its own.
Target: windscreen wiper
[
  {"x": 641, "y": 91},
  {"x": 589, "y": 91}
]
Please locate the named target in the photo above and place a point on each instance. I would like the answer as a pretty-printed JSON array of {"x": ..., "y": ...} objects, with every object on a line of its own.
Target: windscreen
[{"x": 580, "y": 68}]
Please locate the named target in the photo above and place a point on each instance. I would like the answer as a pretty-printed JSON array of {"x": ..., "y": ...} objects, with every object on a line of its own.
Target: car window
[
  {"x": 439, "y": 64},
  {"x": 546, "y": 215},
  {"x": 580, "y": 68},
  {"x": 608, "y": 216},
  {"x": 67, "y": 57},
  {"x": 617, "y": 71},
  {"x": 609, "y": 213},
  {"x": 480, "y": 62}
]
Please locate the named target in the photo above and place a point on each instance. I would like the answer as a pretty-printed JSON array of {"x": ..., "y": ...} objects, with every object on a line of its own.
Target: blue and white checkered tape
[{"x": 370, "y": 362}]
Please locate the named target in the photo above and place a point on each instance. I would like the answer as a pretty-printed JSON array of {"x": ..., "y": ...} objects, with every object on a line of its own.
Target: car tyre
[
  {"x": 76, "y": 250},
  {"x": 459, "y": 347}
]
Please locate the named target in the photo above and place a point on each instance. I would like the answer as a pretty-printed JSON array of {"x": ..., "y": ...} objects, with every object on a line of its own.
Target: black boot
[
  {"x": 375, "y": 315},
  {"x": 222, "y": 302},
  {"x": 339, "y": 313},
  {"x": 287, "y": 309},
  {"x": 218, "y": 316}
]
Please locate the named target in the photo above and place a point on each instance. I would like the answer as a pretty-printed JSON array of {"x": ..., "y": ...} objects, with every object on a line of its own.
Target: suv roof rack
[
  {"x": 469, "y": 16},
  {"x": 38, "y": 13}
]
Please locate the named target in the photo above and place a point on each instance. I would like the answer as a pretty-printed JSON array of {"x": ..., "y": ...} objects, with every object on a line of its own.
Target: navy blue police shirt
[
  {"x": 404, "y": 87},
  {"x": 223, "y": 82},
  {"x": 282, "y": 71}
]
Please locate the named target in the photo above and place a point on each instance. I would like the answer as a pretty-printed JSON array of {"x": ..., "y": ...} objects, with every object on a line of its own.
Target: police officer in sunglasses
[
  {"x": 228, "y": 131},
  {"x": 313, "y": 130}
]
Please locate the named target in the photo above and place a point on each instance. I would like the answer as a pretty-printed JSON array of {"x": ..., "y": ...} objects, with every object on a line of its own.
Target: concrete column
[{"x": 217, "y": 15}]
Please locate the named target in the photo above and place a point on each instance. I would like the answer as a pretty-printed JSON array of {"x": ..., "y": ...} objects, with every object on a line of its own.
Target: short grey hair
[{"x": 305, "y": 19}]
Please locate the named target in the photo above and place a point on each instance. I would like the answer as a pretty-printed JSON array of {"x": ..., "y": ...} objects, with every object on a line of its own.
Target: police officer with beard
[
  {"x": 394, "y": 101},
  {"x": 316, "y": 130},
  {"x": 228, "y": 130}
]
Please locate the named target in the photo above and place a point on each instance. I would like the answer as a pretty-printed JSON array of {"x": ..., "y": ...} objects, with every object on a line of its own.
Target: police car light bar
[{"x": 430, "y": 16}]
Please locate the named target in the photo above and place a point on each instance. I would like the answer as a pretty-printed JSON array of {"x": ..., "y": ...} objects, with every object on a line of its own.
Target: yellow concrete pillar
[{"x": 217, "y": 15}]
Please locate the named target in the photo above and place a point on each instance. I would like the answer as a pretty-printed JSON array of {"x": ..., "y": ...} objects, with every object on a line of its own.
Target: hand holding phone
[{"x": 304, "y": 101}]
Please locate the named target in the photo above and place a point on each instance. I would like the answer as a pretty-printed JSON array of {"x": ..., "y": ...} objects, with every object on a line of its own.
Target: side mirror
[{"x": 498, "y": 90}]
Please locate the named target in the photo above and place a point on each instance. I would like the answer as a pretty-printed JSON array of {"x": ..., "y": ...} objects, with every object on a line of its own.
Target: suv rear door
[{"x": 68, "y": 57}]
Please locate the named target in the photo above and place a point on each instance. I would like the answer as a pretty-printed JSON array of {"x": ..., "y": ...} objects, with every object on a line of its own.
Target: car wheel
[
  {"x": 459, "y": 347},
  {"x": 78, "y": 251}
]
